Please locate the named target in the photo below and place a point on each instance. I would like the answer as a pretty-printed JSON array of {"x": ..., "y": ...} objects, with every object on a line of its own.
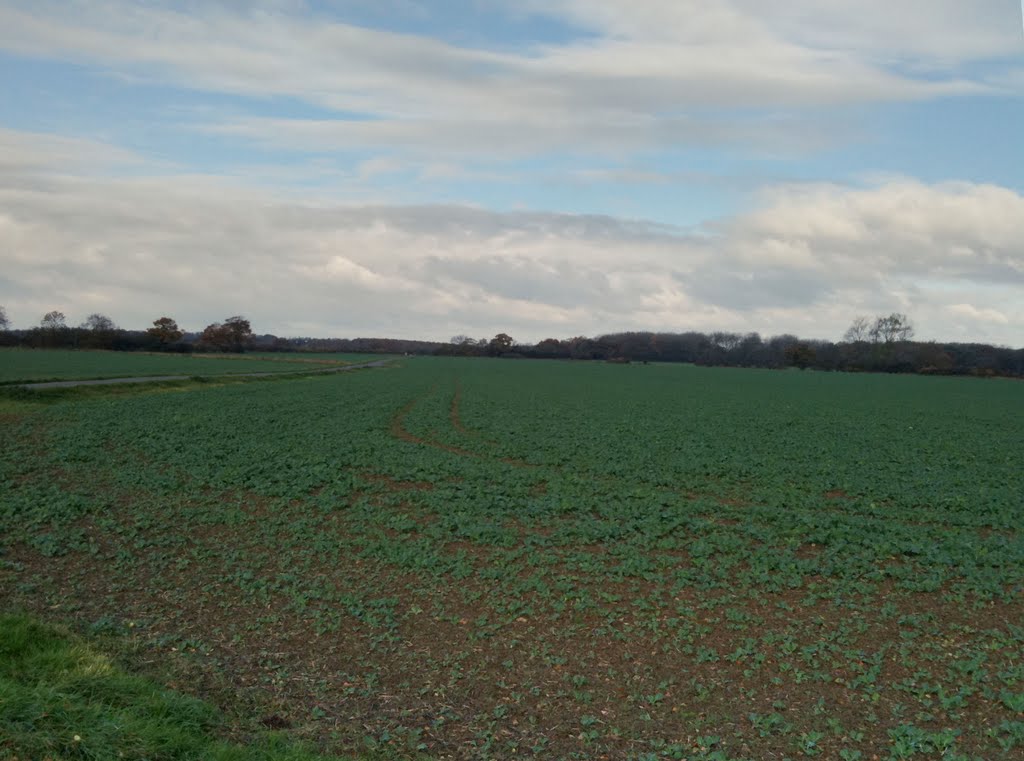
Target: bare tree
[
  {"x": 727, "y": 341},
  {"x": 53, "y": 330},
  {"x": 99, "y": 323},
  {"x": 53, "y": 321},
  {"x": 892, "y": 329},
  {"x": 860, "y": 330},
  {"x": 5, "y": 323}
]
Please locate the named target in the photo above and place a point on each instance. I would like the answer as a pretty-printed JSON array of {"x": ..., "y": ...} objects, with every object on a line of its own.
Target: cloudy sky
[{"x": 427, "y": 168}]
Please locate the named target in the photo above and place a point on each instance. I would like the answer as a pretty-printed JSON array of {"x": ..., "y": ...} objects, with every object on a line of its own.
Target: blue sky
[{"x": 545, "y": 168}]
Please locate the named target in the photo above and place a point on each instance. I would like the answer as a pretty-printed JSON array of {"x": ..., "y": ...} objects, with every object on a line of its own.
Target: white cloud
[
  {"x": 977, "y": 314},
  {"x": 944, "y": 231},
  {"x": 806, "y": 260},
  {"x": 653, "y": 73},
  {"x": 924, "y": 32},
  {"x": 381, "y": 165},
  {"x": 936, "y": 30},
  {"x": 20, "y": 151}
]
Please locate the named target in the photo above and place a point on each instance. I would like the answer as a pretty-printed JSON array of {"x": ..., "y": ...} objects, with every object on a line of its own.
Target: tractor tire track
[
  {"x": 399, "y": 431},
  {"x": 456, "y": 418}
]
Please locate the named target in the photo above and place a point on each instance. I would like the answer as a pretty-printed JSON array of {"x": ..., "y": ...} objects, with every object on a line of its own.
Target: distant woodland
[{"x": 882, "y": 344}]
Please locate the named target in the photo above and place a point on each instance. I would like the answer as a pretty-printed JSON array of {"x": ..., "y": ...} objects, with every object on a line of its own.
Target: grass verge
[
  {"x": 19, "y": 398},
  {"x": 60, "y": 698}
]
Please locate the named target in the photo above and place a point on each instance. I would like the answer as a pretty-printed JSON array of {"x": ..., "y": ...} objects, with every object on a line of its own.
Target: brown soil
[
  {"x": 838, "y": 494},
  {"x": 393, "y": 484},
  {"x": 440, "y": 678},
  {"x": 456, "y": 401}
]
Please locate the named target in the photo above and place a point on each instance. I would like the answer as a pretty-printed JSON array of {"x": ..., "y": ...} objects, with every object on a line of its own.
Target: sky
[{"x": 405, "y": 168}]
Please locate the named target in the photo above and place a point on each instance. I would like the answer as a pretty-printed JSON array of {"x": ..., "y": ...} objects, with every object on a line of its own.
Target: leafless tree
[
  {"x": 99, "y": 323},
  {"x": 53, "y": 321},
  {"x": 860, "y": 330},
  {"x": 892, "y": 329},
  {"x": 727, "y": 341}
]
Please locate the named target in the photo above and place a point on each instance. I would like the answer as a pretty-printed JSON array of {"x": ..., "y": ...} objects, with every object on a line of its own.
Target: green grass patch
[
  {"x": 318, "y": 356},
  {"x": 15, "y": 399},
  {"x": 62, "y": 699},
  {"x": 40, "y": 365}
]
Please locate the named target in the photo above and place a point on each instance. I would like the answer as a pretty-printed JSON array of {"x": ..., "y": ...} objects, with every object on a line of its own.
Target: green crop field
[
  {"x": 323, "y": 356},
  {"x": 480, "y": 559},
  {"x": 18, "y": 365}
]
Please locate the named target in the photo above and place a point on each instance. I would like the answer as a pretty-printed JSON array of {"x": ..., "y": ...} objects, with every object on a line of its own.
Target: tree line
[
  {"x": 98, "y": 331},
  {"x": 883, "y": 344},
  {"x": 234, "y": 334}
]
